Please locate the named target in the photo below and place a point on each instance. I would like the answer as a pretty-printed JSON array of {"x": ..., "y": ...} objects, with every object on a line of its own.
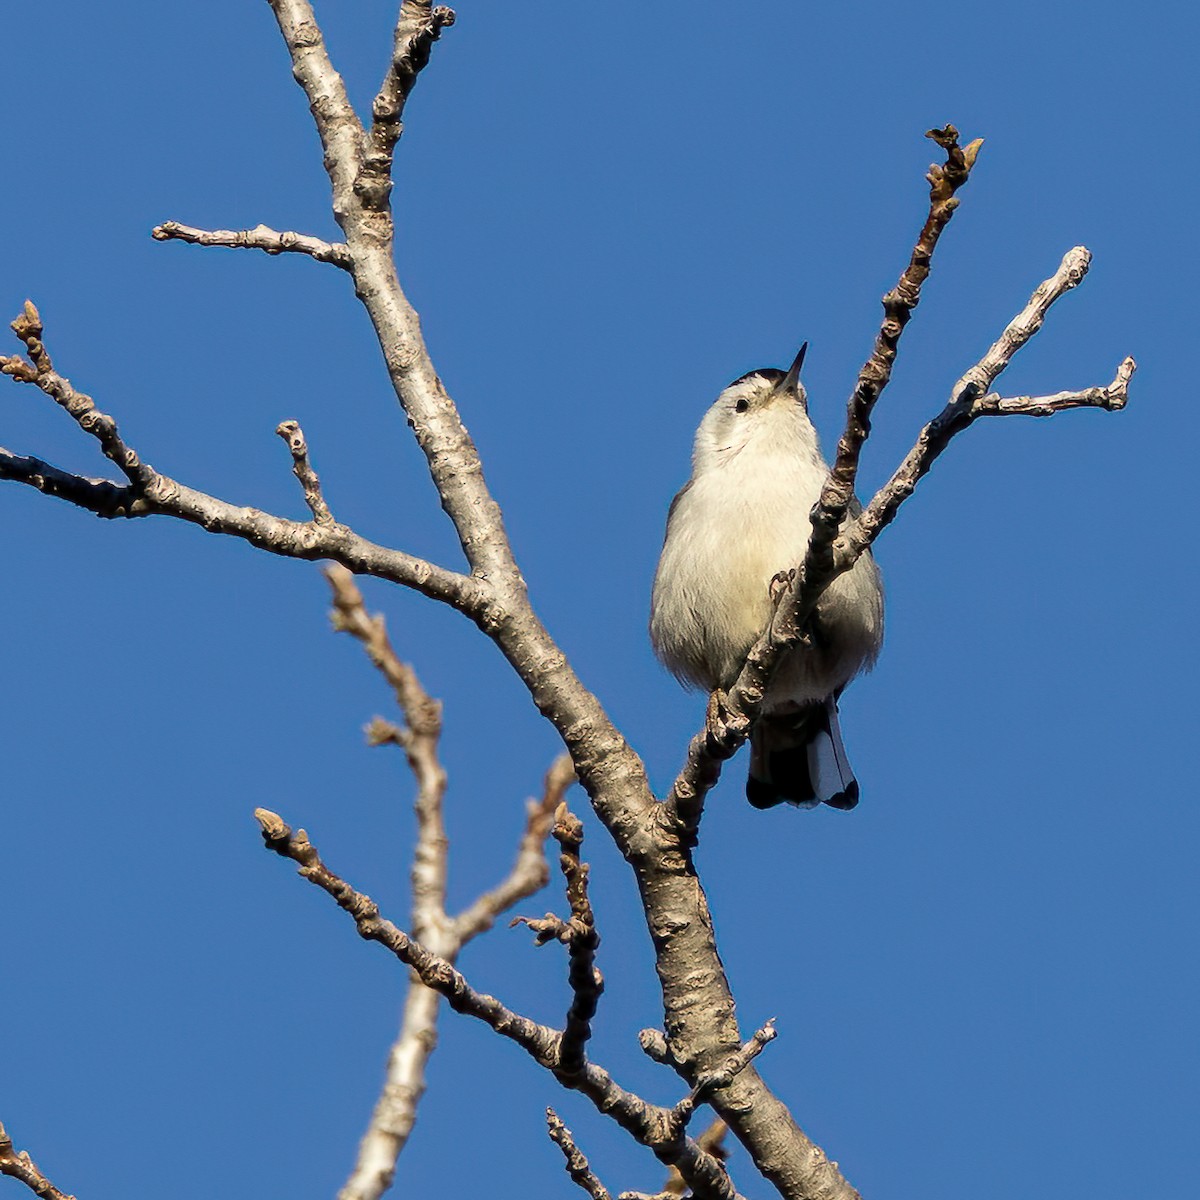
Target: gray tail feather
[{"x": 801, "y": 759}]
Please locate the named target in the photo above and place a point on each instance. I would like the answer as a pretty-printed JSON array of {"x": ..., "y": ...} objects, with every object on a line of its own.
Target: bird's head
[{"x": 763, "y": 406}]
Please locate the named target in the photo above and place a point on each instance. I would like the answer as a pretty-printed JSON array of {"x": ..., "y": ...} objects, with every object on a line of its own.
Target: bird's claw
[{"x": 780, "y": 583}]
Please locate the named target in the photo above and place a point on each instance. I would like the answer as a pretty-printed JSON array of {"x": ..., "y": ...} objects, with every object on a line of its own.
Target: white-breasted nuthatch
[{"x": 742, "y": 518}]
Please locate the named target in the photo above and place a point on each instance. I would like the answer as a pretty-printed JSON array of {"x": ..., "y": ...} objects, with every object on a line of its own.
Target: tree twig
[
  {"x": 395, "y": 1111},
  {"x": 711, "y": 1141},
  {"x": 529, "y": 872},
  {"x": 261, "y": 237},
  {"x": 650, "y": 1124},
  {"x": 18, "y": 1165},
  {"x": 418, "y": 25},
  {"x": 968, "y": 402},
  {"x": 579, "y": 936},
  {"x": 40, "y": 372},
  {"x": 149, "y": 493},
  {"x": 836, "y": 496},
  {"x": 724, "y": 1075},
  {"x": 310, "y": 481},
  {"x": 577, "y": 1164}
]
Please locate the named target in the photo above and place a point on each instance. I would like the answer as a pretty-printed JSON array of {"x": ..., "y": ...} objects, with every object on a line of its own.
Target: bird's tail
[{"x": 800, "y": 758}]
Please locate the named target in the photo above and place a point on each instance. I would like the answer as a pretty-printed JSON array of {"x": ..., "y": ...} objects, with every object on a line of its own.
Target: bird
[{"x": 741, "y": 520}]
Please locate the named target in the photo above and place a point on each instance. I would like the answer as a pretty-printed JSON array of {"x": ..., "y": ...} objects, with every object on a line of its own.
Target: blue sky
[{"x": 985, "y": 977}]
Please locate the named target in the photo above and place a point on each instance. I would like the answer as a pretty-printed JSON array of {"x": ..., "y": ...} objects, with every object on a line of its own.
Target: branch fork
[
  {"x": 652, "y": 1125},
  {"x": 581, "y": 939}
]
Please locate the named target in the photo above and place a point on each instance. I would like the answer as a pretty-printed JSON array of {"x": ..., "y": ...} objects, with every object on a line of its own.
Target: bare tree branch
[
  {"x": 337, "y": 125},
  {"x": 150, "y": 493},
  {"x": 293, "y": 435},
  {"x": 418, "y": 26},
  {"x": 529, "y": 872},
  {"x": 729, "y": 716},
  {"x": 40, "y": 372},
  {"x": 1111, "y": 398},
  {"x": 724, "y": 1075},
  {"x": 968, "y": 402},
  {"x": 18, "y": 1165},
  {"x": 652, "y": 1125},
  {"x": 579, "y": 936},
  {"x": 577, "y": 1163},
  {"x": 711, "y": 1141},
  {"x": 395, "y": 1111},
  {"x": 261, "y": 237},
  {"x": 838, "y": 492}
]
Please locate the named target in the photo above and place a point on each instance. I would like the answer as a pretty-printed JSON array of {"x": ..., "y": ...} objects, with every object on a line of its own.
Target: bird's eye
[{"x": 741, "y": 405}]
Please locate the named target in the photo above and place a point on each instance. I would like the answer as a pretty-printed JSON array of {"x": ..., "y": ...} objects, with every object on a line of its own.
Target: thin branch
[
  {"x": 724, "y": 1075},
  {"x": 40, "y": 372},
  {"x": 422, "y": 713},
  {"x": 540, "y": 1041},
  {"x": 1112, "y": 398},
  {"x": 577, "y": 1164},
  {"x": 898, "y": 305},
  {"x": 150, "y": 493},
  {"x": 650, "y": 1124},
  {"x": 18, "y": 1165},
  {"x": 529, "y": 872},
  {"x": 99, "y": 496},
  {"x": 395, "y": 1111},
  {"x": 728, "y": 720},
  {"x": 261, "y": 237},
  {"x": 968, "y": 402},
  {"x": 728, "y": 723},
  {"x": 711, "y": 1141},
  {"x": 423, "y": 718},
  {"x": 310, "y": 481},
  {"x": 418, "y": 25},
  {"x": 579, "y": 936}
]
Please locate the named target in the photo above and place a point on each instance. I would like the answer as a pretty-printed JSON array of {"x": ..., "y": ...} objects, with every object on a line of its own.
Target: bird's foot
[{"x": 780, "y": 584}]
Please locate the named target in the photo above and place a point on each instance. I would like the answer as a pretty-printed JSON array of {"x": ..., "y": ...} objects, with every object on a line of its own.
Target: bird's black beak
[{"x": 792, "y": 378}]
